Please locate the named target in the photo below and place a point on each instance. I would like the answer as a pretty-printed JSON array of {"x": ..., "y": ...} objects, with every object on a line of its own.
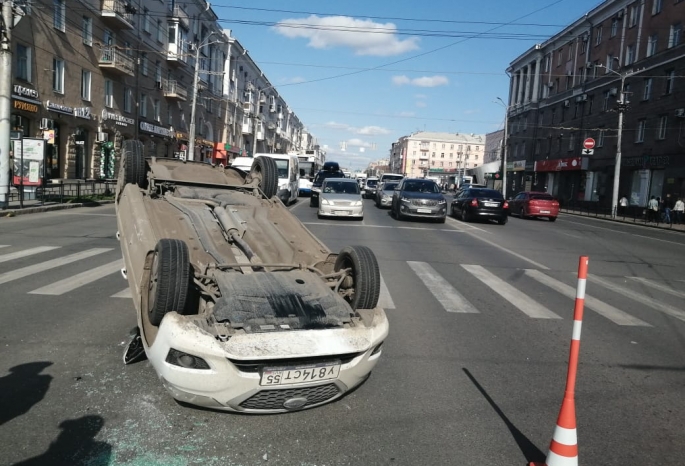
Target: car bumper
[
  {"x": 341, "y": 211},
  {"x": 386, "y": 202},
  {"x": 305, "y": 191},
  {"x": 542, "y": 212},
  {"x": 439, "y": 211},
  {"x": 497, "y": 214},
  {"x": 284, "y": 196},
  {"x": 226, "y": 386}
]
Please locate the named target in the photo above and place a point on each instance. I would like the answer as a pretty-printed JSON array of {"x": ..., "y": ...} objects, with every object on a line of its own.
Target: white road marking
[
  {"x": 78, "y": 280},
  {"x": 26, "y": 252},
  {"x": 51, "y": 264},
  {"x": 4, "y": 245},
  {"x": 123, "y": 294},
  {"x": 385, "y": 300},
  {"x": 658, "y": 286},
  {"x": 522, "y": 301},
  {"x": 568, "y": 234},
  {"x": 97, "y": 215},
  {"x": 639, "y": 297},
  {"x": 298, "y": 203},
  {"x": 455, "y": 223},
  {"x": 445, "y": 293},
  {"x": 610, "y": 312}
]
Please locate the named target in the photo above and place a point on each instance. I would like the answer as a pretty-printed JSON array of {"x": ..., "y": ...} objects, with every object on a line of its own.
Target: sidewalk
[
  {"x": 624, "y": 219},
  {"x": 60, "y": 195}
]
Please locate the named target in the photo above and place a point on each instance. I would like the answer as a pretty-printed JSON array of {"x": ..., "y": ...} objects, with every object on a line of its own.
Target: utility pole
[
  {"x": 256, "y": 120},
  {"x": 196, "y": 77},
  {"x": 6, "y": 26},
  {"x": 504, "y": 148}
]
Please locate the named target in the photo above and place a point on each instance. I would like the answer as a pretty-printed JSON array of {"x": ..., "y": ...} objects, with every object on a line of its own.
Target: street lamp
[
  {"x": 504, "y": 148},
  {"x": 622, "y": 107},
  {"x": 196, "y": 77}
]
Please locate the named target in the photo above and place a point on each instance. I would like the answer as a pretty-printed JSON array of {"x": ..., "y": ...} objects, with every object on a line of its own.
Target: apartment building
[
  {"x": 624, "y": 56},
  {"x": 442, "y": 155}
]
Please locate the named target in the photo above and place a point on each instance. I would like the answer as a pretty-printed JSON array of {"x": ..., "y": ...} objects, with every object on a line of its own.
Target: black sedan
[
  {"x": 418, "y": 198},
  {"x": 480, "y": 203}
]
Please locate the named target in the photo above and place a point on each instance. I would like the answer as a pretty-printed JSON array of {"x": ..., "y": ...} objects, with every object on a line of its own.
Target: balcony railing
[
  {"x": 116, "y": 60},
  {"x": 174, "y": 90},
  {"x": 117, "y": 13}
]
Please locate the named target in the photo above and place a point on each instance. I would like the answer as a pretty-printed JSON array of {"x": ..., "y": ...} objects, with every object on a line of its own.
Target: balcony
[
  {"x": 423, "y": 156},
  {"x": 180, "y": 14},
  {"x": 174, "y": 90},
  {"x": 117, "y": 14},
  {"x": 115, "y": 60}
]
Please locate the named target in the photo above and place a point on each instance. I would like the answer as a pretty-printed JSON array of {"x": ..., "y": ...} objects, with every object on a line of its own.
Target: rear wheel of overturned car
[
  {"x": 265, "y": 169},
  {"x": 134, "y": 163},
  {"x": 363, "y": 288},
  {"x": 169, "y": 279}
]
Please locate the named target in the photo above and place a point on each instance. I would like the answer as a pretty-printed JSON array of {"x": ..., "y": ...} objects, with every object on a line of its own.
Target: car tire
[
  {"x": 169, "y": 283},
  {"x": 465, "y": 217},
  {"x": 552, "y": 219},
  {"x": 442, "y": 220},
  {"x": 135, "y": 171},
  {"x": 502, "y": 221},
  {"x": 522, "y": 213},
  {"x": 265, "y": 169},
  {"x": 366, "y": 277}
]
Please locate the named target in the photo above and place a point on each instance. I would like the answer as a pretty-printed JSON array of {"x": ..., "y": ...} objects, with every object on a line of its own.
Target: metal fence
[
  {"x": 633, "y": 213},
  {"x": 61, "y": 191}
]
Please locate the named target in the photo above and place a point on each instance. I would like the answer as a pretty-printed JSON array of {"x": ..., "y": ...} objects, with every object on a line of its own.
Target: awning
[{"x": 219, "y": 151}]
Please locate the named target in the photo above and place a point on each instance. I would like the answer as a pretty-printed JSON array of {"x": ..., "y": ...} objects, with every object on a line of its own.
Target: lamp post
[{"x": 504, "y": 148}]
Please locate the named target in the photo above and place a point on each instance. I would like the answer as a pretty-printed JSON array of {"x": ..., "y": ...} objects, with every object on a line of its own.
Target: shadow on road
[
  {"x": 644, "y": 367},
  {"x": 24, "y": 387},
  {"x": 528, "y": 448},
  {"x": 75, "y": 445}
]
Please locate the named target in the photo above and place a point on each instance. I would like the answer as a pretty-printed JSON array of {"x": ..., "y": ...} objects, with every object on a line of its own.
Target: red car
[{"x": 534, "y": 204}]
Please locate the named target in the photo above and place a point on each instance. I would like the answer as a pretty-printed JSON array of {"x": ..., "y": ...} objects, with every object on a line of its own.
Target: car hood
[
  {"x": 341, "y": 197},
  {"x": 418, "y": 195}
]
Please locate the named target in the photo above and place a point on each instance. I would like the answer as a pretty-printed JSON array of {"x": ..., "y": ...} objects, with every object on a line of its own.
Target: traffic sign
[
  {"x": 589, "y": 143},
  {"x": 588, "y": 151}
]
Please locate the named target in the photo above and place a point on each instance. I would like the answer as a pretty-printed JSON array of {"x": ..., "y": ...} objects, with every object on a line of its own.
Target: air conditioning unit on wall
[{"x": 680, "y": 112}]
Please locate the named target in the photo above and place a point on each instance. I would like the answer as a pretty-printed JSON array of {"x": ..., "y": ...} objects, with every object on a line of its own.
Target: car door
[
  {"x": 396, "y": 195},
  {"x": 457, "y": 203},
  {"x": 515, "y": 204}
]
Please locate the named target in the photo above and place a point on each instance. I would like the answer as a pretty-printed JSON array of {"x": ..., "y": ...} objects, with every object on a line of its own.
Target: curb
[
  {"x": 50, "y": 208},
  {"x": 637, "y": 224}
]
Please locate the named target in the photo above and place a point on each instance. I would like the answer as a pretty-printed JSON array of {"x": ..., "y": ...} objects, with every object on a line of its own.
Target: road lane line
[
  {"x": 639, "y": 297},
  {"x": 658, "y": 286},
  {"x": 606, "y": 310},
  {"x": 78, "y": 280},
  {"x": 454, "y": 223},
  {"x": 445, "y": 293},
  {"x": 4, "y": 245},
  {"x": 385, "y": 300},
  {"x": 96, "y": 215},
  {"x": 51, "y": 264},
  {"x": 26, "y": 252},
  {"x": 123, "y": 294},
  {"x": 522, "y": 301}
]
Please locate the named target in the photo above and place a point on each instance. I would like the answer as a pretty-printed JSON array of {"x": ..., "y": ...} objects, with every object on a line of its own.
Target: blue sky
[{"x": 442, "y": 81}]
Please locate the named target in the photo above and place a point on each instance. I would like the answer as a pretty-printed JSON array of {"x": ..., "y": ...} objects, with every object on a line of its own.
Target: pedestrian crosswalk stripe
[
  {"x": 26, "y": 252},
  {"x": 4, "y": 245},
  {"x": 639, "y": 297},
  {"x": 610, "y": 312},
  {"x": 51, "y": 264},
  {"x": 659, "y": 286},
  {"x": 522, "y": 301},
  {"x": 445, "y": 293},
  {"x": 123, "y": 294},
  {"x": 84, "y": 278},
  {"x": 385, "y": 300}
]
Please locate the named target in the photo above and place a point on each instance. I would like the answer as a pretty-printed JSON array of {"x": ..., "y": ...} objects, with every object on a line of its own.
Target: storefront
[
  {"x": 156, "y": 139},
  {"x": 220, "y": 155},
  {"x": 114, "y": 129},
  {"x": 205, "y": 148},
  {"x": 26, "y": 107},
  {"x": 181, "y": 146},
  {"x": 82, "y": 159},
  {"x": 566, "y": 179},
  {"x": 651, "y": 175}
]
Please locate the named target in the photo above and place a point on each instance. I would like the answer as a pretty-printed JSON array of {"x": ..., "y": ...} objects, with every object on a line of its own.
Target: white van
[{"x": 288, "y": 176}]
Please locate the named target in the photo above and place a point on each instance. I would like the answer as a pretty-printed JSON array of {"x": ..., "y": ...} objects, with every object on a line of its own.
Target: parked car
[
  {"x": 418, "y": 198},
  {"x": 341, "y": 197},
  {"x": 534, "y": 204},
  {"x": 369, "y": 188},
  {"x": 329, "y": 170},
  {"x": 239, "y": 307},
  {"x": 480, "y": 203},
  {"x": 384, "y": 193}
]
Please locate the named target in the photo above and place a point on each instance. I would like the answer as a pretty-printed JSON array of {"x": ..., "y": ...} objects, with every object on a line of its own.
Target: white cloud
[
  {"x": 372, "y": 130},
  {"x": 421, "y": 104},
  {"x": 358, "y": 143},
  {"x": 335, "y": 125},
  {"x": 424, "y": 81},
  {"x": 364, "y": 36}
]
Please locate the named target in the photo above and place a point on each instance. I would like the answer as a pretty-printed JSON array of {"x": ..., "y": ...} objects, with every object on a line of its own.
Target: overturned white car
[{"x": 239, "y": 306}]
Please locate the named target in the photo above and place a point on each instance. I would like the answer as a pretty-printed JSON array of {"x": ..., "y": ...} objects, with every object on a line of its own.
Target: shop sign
[
  {"x": 510, "y": 166},
  {"x": 21, "y": 91},
  {"x": 519, "y": 165},
  {"x": 118, "y": 119},
  {"x": 566, "y": 164},
  {"x": 24, "y": 106},
  {"x": 646, "y": 161},
  {"x": 166, "y": 132},
  {"x": 59, "y": 108},
  {"x": 204, "y": 142},
  {"x": 83, "y": 112},
  {"x": 181, "y": 136}
]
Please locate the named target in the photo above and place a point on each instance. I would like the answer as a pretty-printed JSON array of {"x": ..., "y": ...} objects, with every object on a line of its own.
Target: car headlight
[
  {"x": 356, "y": 203},
  {"x": 181, "y": 359},
  {"x": 324, "y": 202},
  {"x": 405, "y": 199},
  {"x": 442, "y": 201}
]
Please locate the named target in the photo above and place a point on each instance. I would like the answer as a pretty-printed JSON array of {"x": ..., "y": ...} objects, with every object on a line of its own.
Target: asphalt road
[{"x": 452, "y": 387}]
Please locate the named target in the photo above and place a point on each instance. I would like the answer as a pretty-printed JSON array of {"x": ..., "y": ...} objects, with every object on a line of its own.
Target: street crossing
[{"x": 448, "y": 292}]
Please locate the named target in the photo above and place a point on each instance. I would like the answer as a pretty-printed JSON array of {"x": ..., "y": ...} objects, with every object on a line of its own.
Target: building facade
[{"x": 624, "y": 56}]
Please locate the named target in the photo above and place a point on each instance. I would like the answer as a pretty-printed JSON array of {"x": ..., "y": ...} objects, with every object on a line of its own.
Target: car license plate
[
  {"x": 293, "y": 375},
  {"x": 544, "y": 211},
  {"x": 424, "y": 211},
  {"x": 342, "y": 212},
  {"x": 491, "y": 204}
]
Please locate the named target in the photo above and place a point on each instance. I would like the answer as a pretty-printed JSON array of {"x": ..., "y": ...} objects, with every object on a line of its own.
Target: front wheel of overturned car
[
  {"x": 363, "y": 287},
  {"x": 169, "y": 283},
  {"x": 135, "y": 171},
  {"x": 265, "y": 169}
]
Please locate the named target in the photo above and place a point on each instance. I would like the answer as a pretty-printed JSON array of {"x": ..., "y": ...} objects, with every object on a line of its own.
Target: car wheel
[
  {"x": 134, "y": 163},
  {"x": 441, "y": 220},
  {"x": 319, "y": 216},
  {"x": 169, "y": 279},
  {"x": 464, "y": 215},
  {"x": 552, "y": 219},
  {"x": 502, "y": 221},
  {"x": 522, "y": 213},
  {"x": 365, "y": 280},
  {"x": 265, "y": 169}
]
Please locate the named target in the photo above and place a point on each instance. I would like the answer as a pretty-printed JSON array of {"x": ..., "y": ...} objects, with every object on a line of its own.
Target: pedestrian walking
[
  {"x": 666, "y": 207},
  {"x": 652, "y": 210},
  {"x": 622, "y": 205},
  {"x": 679, "y": 211}
]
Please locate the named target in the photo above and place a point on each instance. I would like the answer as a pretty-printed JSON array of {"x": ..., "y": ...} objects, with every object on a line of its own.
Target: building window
[
  {"x": 432, "y": 154},
  {"x": 614, "y": 27},
  {"x": 158, "y": 72},
  {"x": 58, "y": 75},
  {"x": 146, "y": 20},
  {"x": 143, "y": 105},
  {"x": 675, "y": 35},
  {"x": 656, "y": 6},
  {"x": 128, "y": 100},
  {"x": 559, "y": 55},
  {"x": 547, "y": 63},
  {"x": 451, "y": 155},
  {"x": 570, "y": 50},
  {"x": 60, "y": 15},
  {"x": 87, "y": 31},
  {"x": 442, "y": 155},
  {"x": 160, "y": 31},
  {"x": 169, "y": 116},
  {"x": 590, "y": 102},
  {"x": 156, "y": 109},
  {"x": 143, "y": 63},
  {"x": 600, "y": 138},
  {"x": 640, "y": 133},
  {"x": 670, "y": 77},
  {"x": 598, "y": 35},
  {"x": 610, "y": 63},
  {"x": 451, "y": 146},
  {"x": 109, "y": 93},
  {"x": 605, "y": 102},
  {"x": 661, "y": 130},
  {"x": 571, "y": 141},
  {"x": 632, "y": 16},
  {"x": 630, "y": 54},
  {"x": 85, "y": 84},
  {"x": 648, "y": 89},
  {"x": 651, "y": 44},
  {"x": 23, "y": 70}
]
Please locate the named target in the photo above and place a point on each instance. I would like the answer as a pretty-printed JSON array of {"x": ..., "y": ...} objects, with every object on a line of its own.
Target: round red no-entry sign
[{"x": 589, "y": 143}]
